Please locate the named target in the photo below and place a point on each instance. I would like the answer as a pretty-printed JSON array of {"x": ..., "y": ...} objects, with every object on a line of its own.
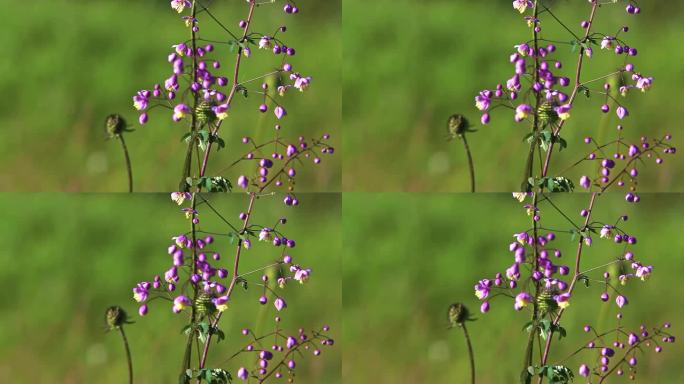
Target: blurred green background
[
  {"x": 67, "y": 257},
  {"x": 68, "y": 64},
  {"x": 407, "y": 257},
  {"x": 409, "y": 65}
]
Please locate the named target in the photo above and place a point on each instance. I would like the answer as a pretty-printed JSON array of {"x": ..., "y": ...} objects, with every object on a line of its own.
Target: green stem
[
  {"x": 471, "y": 355},
  {"x": 128, "y": 356},
  {"x": 471, "y": 165},
  {"x": 129, "y": 168}
]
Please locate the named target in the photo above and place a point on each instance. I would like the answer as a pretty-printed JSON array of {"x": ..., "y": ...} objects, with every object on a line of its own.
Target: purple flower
[
  {"x": 621, "y": 301},
  {"x": 142, "y": 311},
  {"x": 521, "y": 300},
  {"x": 584, "y": 370},
  {"x": 482, "y": 102},
  {"x": 221, "y": 111},
  {"x": 291, "y": 342},
  {"x": 585, "y": 182},
  {"x": 279, "y": 112},
  {"x": 221, "y": 303},
  {"x": 243, "y": 182},
  {"x": 180, "y": 302},
  {"x": 563, "y": 111},
  {"x": 179, "y": 5},
  {"x": 522, "y": 5},
  {"x": 242, "y": 373},
  {"x": 140, "y": 293},
  {"x": 484, "y": 308},
  {"x": 179, "y": 111},
  {"x": 279, "y": 304},
  {"x": 140, "y": 101},
  {"x": 522, "y": 111},
  {"x": 265, "y": 42},
  {"x": 622, "y": 112},
  {"x": 180, "y": 197},
  {"x": 563, "y": 300}
]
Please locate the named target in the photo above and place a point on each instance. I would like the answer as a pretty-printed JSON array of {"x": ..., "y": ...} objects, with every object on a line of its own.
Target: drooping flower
[
  {"x": 221, "y": 303},
  {"x": 180, "y": 302},
  {"x": 621, "y": 301},
  {"x": 522, "y": 111},
  {"x": 265, "y": 234},
  {"x": 265, "y": 42},
  {"x": 279, "y": 304},
  {"x": 607, "y": 42},
  {"x": 180, "y": 197},
  {"x": 585, "y": 182},
  {"x": 242, "y": 373},
  {"x": 302, "y": 83},
  {"x": 521, "y": 300},
  {"x": 302, "y": 275},
  {"x": 563, "y": 300},
  {"x": 179, "y": 111},
  {"x": 522, "y": 5},
  {"x": 279, "y": 112},
  {"x": 140, "y": 100},
  {"x": 221, "y": 111},
  {"x": 180, "y": 5},
  {"x": 482, "y": 102},
  {"x": 140, "y": 292},
  {"x": 607, "y": 232},
  {"x": 622, "y": 112},
  {"x": 242, "y": 182},
  {"x": 584, "y": 370},
  {"x": 481, "y": 290},
  {"x": 563, "y": 111}
]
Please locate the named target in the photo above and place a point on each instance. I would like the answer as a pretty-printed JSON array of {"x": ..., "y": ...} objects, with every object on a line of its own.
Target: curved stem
[
  {"x": 471, "y": 356},
  {"x": 129, "y": 168},
  {"x": 471, "y": 165},
  {"x": 128, "y": 355}
]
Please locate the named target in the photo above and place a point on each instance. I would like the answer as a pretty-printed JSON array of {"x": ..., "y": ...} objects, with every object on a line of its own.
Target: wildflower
[
  {"x": 279, "y": 112},
  {"x": 243, "y": 182},
  {"x": 521, "y": 237},
  {"x": 221, "y": 303},
  {"x": 643, "y": 83},
  {"x": 622, "y": 112},
  {"x": 584, "y": 370},
  {"x": 521, "y": 112},
  {"x": 279, "y": 304},
  {"x": 520, "y": 196},
  {"x": 140, "y": 100},
  {"x": 523, "y": 49},
  {"x": 265, "y": 234},
  {"x": 179, "y": 5},
  {"x": 265, "y": 42},
  {"x": 481, "y": 290},
  {"x": 181, "y": 49},
  {"x": 302, "y": 275},
  {"x": 180, "y": 302},
  {"x": 521, "y": 300},
  {"x": 180, "y": 197},
  {"x": 242, "y": 373},
  {"x": 563, "y": 300},
  {"x": 522, "y": 5},
  {"x": 140, "y": 292},
  {"x": 607, "y": 42},
  {"x": 607, "y": 231},
  {"x": 642, "y": 272},
  {"x": 221, "y": 111},
  {"x": 180, "y": 111},
  {"x": 563, "y": 111},
  {"x": 302, "y": 83},
  {"x": 621, "y": 301},
  {"x": 482, "y": 102},
  {"x": 585, "y": 182}
]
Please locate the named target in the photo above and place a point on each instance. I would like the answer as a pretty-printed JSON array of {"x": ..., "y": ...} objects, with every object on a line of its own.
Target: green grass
[
  {"x": 407, "y": 257},
  {"x": 67, "y": 65},
  {"x": 414, "y": 63},
  {"x": 74, "y": 255}
]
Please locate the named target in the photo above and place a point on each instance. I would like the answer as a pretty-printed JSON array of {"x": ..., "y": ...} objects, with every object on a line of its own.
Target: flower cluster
[
  {"x": 539, "y": 93},
  {"x": 197, "y": 93},
  {"x": 538, "y": 280},
  {"x": 196, "y": 283},
  {"x": 620, "y": 356}
]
